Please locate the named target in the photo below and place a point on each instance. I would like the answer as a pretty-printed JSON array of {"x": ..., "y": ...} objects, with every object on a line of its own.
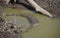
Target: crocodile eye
[{"x": 11, "y": 27}]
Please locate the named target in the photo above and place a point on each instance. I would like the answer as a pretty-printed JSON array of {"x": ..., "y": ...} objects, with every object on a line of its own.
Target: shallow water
[{"x": 47, "y": 28}]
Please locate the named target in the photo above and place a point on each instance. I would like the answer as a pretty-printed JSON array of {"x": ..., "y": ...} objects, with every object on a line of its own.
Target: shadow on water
[{"x": 27, "y": 6}]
